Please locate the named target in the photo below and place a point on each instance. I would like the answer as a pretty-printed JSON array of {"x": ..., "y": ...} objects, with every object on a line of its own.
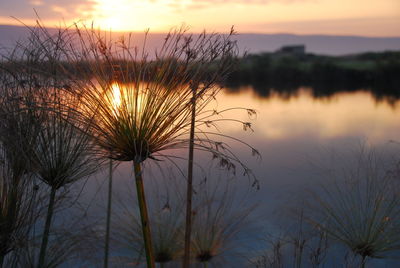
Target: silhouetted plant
[
  {"x": 139, "y": 106},
  {"x": 296, "y": 245},
  {"x": 224, "y": 54},
  {"x": 218, "y": 222},
  {"x": 133, "y": 105},
  {"x": 62, "y": 152},
  {"x": 220, "y": 215},
  {"x": 18, "y": 201},
  {"x": 361, "y": 210},
  {"x": 108, "y": 219},
  {"x": 69, "y": 247},
  {"x": 167, "y": 214},
  {"x": 20, "y": 204}
]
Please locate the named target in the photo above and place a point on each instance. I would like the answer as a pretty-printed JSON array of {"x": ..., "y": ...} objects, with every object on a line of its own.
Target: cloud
[
  {"x": 375, "y": 26},
  {"x": 36, "y": 2},
  {"x": 46, "y": 9},
  {"x": 83, "y": 9},
  {"x": 182, "y": 5},
  {"x": 211, "y": 2}
]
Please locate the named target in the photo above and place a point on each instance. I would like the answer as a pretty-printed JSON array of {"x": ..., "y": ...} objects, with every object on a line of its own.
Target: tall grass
[
  {"x": 18, "y": 211},
  {"x": 361, "y": 210},
  {"x": 295, "y": 243},
  {"x": 139, "y": 105},
  {"x": 131, "y": 104},
  {"x": 218, "y": 223},
  {"x": 167, "y": 214},
  {"x": 221, "y": 216},
  {"x": 19, "y": 194},
  {"x": 63, "y": 151},
  {"x": 227, "y": 54}
]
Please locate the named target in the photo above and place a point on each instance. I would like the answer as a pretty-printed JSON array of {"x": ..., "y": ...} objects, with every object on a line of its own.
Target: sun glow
[
  {"x": 127, "y": 97},
  {"x": 127, "y": 15},
  {"x": 115, "y": 96}
]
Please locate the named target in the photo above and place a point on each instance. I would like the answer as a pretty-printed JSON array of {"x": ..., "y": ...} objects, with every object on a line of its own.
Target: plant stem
[
  {"x": 144, "y": 216},
  {"x": 107, "y": 245},
  {"x": 188, "y": 224},
  {"x": 363, "y": 261},
  {"x": 1, "y": 260},
  {"x": 45, "y": 238}
]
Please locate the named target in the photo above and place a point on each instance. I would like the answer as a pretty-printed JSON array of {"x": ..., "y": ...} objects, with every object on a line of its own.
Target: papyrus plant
[
  {"x": 167, "y": 214},
  {"x": 62, "y": 151},
  {"x": 19, "y": 194},
  {"x": 221, "y": 214},
  {"x": 140, "y": 104},
  {"x": 18, "y": 207},
  {"x": 361, "y": 210}
]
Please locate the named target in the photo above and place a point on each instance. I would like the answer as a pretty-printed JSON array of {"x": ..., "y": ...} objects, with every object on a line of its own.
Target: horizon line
[{"x": 240, "y": 33}]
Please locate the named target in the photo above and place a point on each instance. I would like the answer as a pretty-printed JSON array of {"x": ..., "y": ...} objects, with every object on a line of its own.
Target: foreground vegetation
[
  {"x": 73, "y": 101},
  {"x": 120, "y": 104}
]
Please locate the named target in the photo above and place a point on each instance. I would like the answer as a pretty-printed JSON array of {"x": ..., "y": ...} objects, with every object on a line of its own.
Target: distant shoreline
[
  {"x": 258, "y": 43},
  {"x": 282, "y": 72}
]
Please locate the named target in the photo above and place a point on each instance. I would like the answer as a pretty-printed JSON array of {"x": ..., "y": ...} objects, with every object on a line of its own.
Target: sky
[{"x": 375, "y": 18}]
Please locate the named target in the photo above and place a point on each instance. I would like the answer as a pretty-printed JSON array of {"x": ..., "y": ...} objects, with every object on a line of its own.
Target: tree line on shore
[{"x": 286, "y": 72}]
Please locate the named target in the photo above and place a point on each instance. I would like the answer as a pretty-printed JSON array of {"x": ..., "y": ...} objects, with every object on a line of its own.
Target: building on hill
[{"x": 293, "y": 49}]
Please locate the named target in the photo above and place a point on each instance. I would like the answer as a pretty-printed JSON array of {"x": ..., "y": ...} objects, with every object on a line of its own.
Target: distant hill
[
  {"x": 318, "y": 44},
  {"x": 256, "y": 43}
]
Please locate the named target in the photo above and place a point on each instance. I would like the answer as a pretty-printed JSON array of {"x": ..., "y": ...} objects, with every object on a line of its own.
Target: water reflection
[
  {"x": 303, "y": 139},
  {"x": 299, "y": 137},
  {"x": 295, "y": 136},
  {"x": 354, "y": 114}
]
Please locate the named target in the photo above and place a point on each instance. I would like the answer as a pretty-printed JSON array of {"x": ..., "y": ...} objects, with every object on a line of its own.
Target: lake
[{"x": 300, "y": 138}]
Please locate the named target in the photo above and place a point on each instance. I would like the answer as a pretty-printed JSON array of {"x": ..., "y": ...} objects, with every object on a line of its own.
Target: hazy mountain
[
  {"x": 255, "y": 43},
  {"x": 318, "y": 44}
]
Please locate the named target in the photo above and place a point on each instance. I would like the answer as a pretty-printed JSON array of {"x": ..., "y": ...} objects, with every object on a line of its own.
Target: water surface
[{"x": 299, "y": 137}]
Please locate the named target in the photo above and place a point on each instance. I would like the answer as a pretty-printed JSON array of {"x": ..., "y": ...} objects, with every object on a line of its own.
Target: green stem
[
  {"x": 189, "y": 191},
  {"x": 107, "y": 242},
  {"x": 144, "y": 216},
  {"x": 45, "y": 238}
]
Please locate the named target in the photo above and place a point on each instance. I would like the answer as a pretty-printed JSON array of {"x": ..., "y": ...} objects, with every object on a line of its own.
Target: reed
[
  {"x": 218, "y": 222},
  {"x": 62, "y": 153},
  {"x": 221, "y": 215},
  {"x": 361, "y": 211},
  {"x": 20, "y": 198},
  {"x": 139, "y": 105},
  {"x": 167, "y": 214},
  {"x": 133, "y": 104},
  {"x": 295, "y": 243},
  {"x": 72, "y": 245},
  {"x": 18, "y": 212}
]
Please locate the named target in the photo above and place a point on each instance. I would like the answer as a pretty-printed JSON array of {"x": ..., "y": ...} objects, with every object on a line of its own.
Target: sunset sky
[{"x": 336, "y": 17}]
